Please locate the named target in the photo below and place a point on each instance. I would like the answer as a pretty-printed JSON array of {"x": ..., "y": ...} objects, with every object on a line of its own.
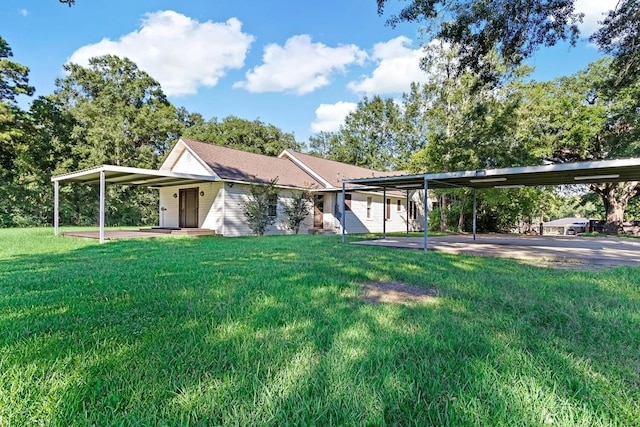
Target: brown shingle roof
[
  {"x": 238, "y": 165},
  {"x": 334, "y": 172}
]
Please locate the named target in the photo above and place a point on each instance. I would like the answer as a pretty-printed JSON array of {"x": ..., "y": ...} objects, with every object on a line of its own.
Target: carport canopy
[
  {"x": 124, "y": 176},
  {"x": 592, "y": 172}
]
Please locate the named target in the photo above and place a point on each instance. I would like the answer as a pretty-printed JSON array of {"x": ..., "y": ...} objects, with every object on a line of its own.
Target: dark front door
[
  {"x": 318, "y": 211},
  {"x": 188, "y": 208}
]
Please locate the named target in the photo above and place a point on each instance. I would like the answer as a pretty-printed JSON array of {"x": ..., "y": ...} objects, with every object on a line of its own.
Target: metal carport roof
[
  {"x": 120, "y": 175},
  {"x": 131, "y": 176},
  {"x": 621, "y": 170},
  {"x": 598, "y": 171}
]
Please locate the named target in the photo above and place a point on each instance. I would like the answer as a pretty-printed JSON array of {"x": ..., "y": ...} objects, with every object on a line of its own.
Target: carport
[
  {"x": 593, "y": 172},
  {"x": 109, "y": 174}
]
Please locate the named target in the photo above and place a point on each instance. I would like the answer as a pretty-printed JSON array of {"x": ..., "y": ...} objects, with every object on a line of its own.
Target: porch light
[
  {"x": 202, "y": 194},
  {"x": 175, "y": 195}
]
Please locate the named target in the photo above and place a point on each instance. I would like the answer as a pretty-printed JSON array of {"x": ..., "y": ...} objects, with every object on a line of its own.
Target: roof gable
[
  {"x": 182, "y": 158},
  {"x": 330, "y": 172}
]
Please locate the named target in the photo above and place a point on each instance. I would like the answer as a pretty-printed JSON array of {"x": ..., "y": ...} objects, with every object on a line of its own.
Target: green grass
[{"x": 269, "y": 331}]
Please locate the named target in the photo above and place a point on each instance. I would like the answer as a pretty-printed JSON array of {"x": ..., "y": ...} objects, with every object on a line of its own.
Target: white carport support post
[
  {"x": 56, "y": 207},
  {"x": 475, "y": 204},
  {"x": 102, "y": 195},
  {"x": 384, "y": 212},
  {"x": 343, "y": 216},
  {"x": 425, "y": 221}
]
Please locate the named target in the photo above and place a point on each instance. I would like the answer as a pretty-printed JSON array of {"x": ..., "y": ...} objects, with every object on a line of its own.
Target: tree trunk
[
  {"x": 462, "y": 202},
  {"x": 615, "y": 197},
  {"x": 443, "y": 212}
]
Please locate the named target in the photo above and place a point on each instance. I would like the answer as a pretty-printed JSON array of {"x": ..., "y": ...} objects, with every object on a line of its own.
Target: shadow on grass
[{"x": 271, "y": 331}]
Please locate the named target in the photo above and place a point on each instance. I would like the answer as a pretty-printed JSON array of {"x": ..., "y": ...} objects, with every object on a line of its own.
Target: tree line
[
  {"x": 109, "y": 112},
  {"x": 478, "y": 110},
  {"x": 457, "y": 121}
]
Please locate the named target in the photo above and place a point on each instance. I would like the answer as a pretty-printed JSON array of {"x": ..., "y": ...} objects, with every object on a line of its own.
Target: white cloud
[
  {"x": 594, "y": 11},
  {"x": 181, "y": 53},
  {"x": 329, "y": 117},
  {"x": 23, "y": 12},
  {"x": 300, "y": 66},
  {"x": 398, "y": 66}
]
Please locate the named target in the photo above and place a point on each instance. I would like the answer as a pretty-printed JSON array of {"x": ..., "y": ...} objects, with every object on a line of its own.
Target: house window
[
  {"x": 388, "y": 212},
  {"x": 273, "y": 205},
  {"x": 347, "y": 202},
  {"x": 399, "y": 205},
  {"x": 369, "y": 203},
  {"x": 413, "y": 210}
]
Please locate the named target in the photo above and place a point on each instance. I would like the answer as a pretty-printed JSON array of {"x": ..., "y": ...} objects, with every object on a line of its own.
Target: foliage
[
  {"x": 234, "y": 132},
  {"x": 249, "y": 331},
  {"x": 513, "y": 29},
  {"x": 585, "y": 206},
  {"x": 298, "y": 209},
  {"x": 619, "y": 36},
  {"x": 121, "y": 117},
  {"x": 378, "y": 135},
  {"x": 14, "y": 81},
  {"x": 580, "y": 118},
  {"x": 256, "y": 207}
]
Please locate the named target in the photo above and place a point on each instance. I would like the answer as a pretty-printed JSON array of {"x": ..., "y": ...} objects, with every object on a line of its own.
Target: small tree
[
  {"x": 298, "y": 209},
  {"x": 260, "y": 208}
]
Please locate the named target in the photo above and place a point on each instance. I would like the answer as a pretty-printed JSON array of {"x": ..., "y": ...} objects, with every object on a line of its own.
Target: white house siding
[
  {"x": 188, "y": 164},
  {"x": 220, "y": 209},
  {"x": 357, "y": 221},
  {"x": 210, "y": 206},
  {"x": 235, "y": 223}
]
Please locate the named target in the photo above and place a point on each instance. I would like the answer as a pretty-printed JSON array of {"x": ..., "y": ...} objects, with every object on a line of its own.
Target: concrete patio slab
[{"x": 602, "y": 251}]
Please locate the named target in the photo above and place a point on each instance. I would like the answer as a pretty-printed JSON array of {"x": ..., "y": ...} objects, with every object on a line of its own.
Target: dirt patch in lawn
[{"x": 397, "y": 293}]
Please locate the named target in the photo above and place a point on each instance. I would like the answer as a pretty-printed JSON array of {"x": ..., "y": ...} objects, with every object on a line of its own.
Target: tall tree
[
  {"x": 248, "y": 135},
  {"x": 122, "y": 117},
  {"x": 14, "y": 81},
  {"x": 580, "y": 118},
  {"x": 380, "y": 134},
  {"x": 468, "y": 125},
  {"x": 45, "y": 149}
]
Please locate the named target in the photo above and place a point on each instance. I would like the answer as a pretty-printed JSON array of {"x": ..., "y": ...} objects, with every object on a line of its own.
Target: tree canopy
[
  {"x": 516, "y": 29},
  {"x": 248, "y": 135}
]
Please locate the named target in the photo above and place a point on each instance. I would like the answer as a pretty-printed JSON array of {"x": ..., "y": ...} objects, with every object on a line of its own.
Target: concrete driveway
[{"x": 598, "y": 251}]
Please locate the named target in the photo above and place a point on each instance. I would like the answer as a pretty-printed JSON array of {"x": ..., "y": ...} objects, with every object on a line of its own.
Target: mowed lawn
[{"x": 270, "y": 331}]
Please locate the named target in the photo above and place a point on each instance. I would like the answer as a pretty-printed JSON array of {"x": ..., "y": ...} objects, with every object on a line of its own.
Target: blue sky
[{"x": 298, "y": 65}]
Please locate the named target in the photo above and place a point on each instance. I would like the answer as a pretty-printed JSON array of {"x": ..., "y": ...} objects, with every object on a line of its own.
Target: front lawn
[{"x": 270, "y": 331}]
